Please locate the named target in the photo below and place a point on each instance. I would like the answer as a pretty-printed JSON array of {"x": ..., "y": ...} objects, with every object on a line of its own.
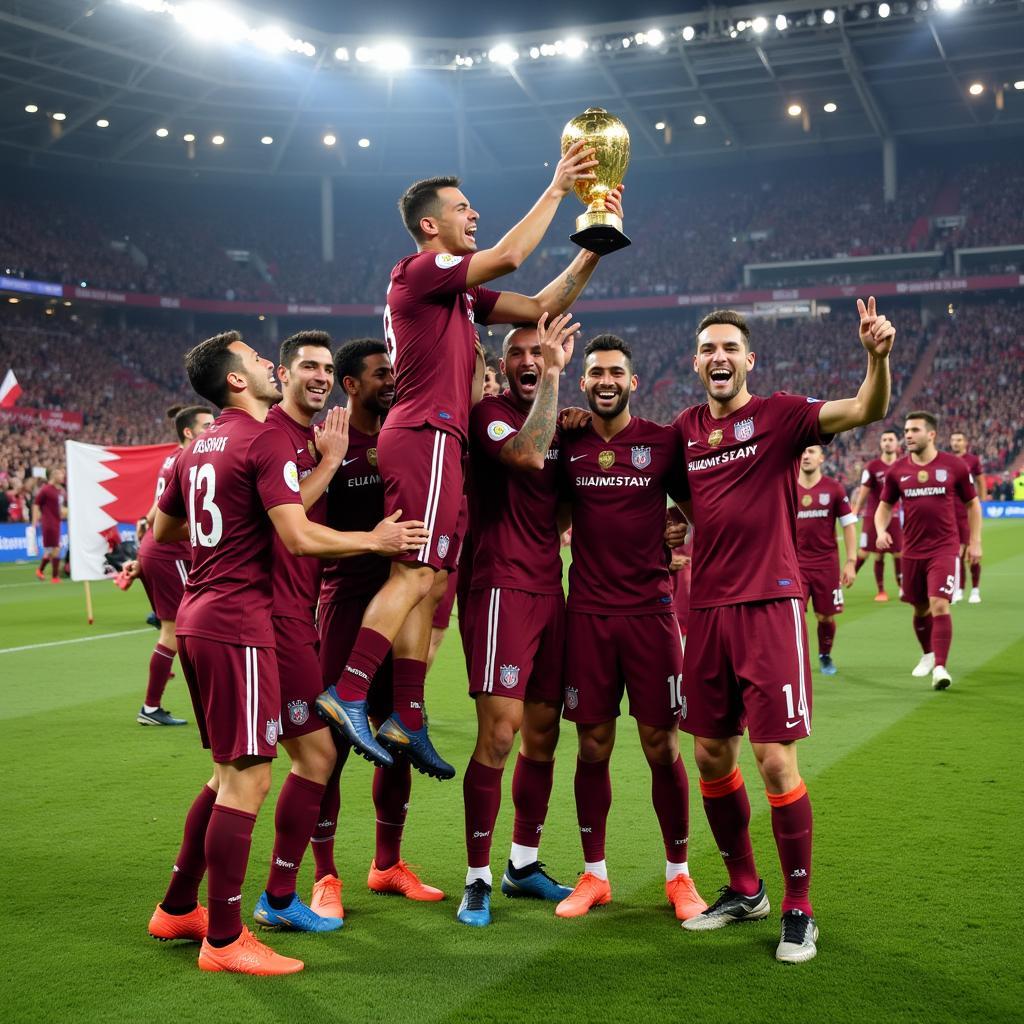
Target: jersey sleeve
[
  {"x": 964, "y": 485},
  {"x": 890, "y": 489},
  {"x": 277, "y": 477},
  {"x": 801, "y": 414},
  {"x": 865, "y": 478},
  {"x": 490, "y": 427},
  {"x": 484, "y": 301},
  {"x": 172, "y": 501},
  {"x": 841, "y": 504},
  {"x": 433, "y": 274}
]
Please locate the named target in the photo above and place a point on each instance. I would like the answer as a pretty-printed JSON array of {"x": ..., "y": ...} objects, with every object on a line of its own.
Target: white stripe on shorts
[
  {"x": 248, "y": 700},
  {"x": 255, "y": 699},
  {"x": 798, "y": 624},
  {"x": 433, "y": 493},
  {"x": 182, "y": 571},
  {"x": 492, "y": 639}
]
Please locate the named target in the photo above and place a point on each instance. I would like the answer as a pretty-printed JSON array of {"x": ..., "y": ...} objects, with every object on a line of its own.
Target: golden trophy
[{"x": 598, "y": 229}]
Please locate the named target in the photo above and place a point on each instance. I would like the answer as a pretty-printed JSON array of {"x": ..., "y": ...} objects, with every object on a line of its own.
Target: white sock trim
[
  {"x": 597, "y": 868},
  {"x": 522, "y": 856},
  {"x": 474, "y": 874},
  {"x": 674, "y": 870}
]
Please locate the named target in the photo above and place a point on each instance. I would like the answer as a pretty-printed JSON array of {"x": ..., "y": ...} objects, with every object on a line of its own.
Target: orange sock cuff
[
  {"x": 723, "y": 786},
  {"x": 784, "y": 799}
]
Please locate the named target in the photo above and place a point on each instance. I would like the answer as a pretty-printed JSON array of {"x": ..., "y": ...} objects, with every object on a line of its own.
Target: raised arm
[{"x": 332, "y": 444}]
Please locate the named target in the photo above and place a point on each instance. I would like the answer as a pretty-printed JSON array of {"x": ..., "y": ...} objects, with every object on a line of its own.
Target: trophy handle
[{"x": 600, "y": 232}]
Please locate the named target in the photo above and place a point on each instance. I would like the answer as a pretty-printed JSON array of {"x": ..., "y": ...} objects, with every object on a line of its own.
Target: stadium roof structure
[{"x": 153, "y": 87}]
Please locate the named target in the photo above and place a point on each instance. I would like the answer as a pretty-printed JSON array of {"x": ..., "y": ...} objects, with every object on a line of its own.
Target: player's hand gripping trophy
[{"x": 598, "y": 229}]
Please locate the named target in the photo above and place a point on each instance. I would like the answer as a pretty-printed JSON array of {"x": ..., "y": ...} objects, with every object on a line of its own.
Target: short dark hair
[
  {"x": 185, "y": 419},
  {"x": 953, "y": 433},
  {"x": 609, "y": 343},
  {"x": 290, "y": 346},
  {"x": 920, "y": 414},
  {"x": 208, "y": 365},
  {"x": 173, "y": 410},
  {"x": 890, "y": 430},
  {"x": 726, "y": 316},
  {"x": 421, "y": 200},
  {"x": 350, "y": 359}
]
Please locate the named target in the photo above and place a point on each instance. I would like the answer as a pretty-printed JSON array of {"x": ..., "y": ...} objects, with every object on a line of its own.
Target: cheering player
[
  {"x": 434, "y": 298},
  {"x": 232, "y": 489},
  {"x": 958, "y": 443},
  {"x": 746, "y": 660},
  {"x": 621, "y": 632},
  {"x": 930, "y": 484},
  {"x": 46, "y": 509},
  {"x": 515, "y": 615},
  {"x": 865, "y": 501},
  {"x": 821, "y": 501}
]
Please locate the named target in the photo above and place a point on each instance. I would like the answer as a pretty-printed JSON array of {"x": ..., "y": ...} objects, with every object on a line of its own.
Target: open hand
[
  {"x": 557, "y": 339},
  {"x": 576, "y": 165},
  {"x": 332, "y": 436},
  {"x": 394, "y": 537}
]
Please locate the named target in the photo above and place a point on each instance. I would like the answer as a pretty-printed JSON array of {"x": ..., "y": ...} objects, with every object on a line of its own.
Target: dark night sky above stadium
[{"x": 422, "y": 17}]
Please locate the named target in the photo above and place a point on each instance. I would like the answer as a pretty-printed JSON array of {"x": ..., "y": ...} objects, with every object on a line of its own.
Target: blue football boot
[
  {"x": 416, "y": 746},
  {"x": 828, "y": 666},
  {"x": 532, "y": 882},
  {"x": 349, "y": 719},
  {"x": 296, "y": 916},
  {"x": 475, "y": 908}
]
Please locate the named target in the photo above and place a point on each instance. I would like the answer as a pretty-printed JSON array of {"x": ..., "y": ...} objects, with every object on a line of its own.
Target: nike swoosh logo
[
  {"x": 347, "y": 462},
  {"x": 902, "y": 478},
  {"x": 573, "y": 458},
  {"x": 299, "y": 451},
  {"x": 690, "y": 444},
  {"x": 793, "y": 725}
]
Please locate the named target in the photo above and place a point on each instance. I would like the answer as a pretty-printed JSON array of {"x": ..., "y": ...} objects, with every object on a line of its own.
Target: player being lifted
[
  {"x": 231, "y": 491},
  {"x": 821, "y": 501},
  {"x": 958, "y": 444},
  {"x": 930, "y": 484},
  {"x": 621, "y": 633},
  {"x": 515, "y": 615},
  {"x": 865, "y": 501},
  {"x": 434, "y": 299},
  {"x": 746, "y": 655}
]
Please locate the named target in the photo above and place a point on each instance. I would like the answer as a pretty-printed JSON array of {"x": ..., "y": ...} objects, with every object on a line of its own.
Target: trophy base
[{"x": 599, "y": 232}]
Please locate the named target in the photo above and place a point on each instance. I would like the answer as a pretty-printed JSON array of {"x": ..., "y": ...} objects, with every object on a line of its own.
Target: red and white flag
[
  {"x": 107, "y": 486},
  {"x": 10, "y": 390}
]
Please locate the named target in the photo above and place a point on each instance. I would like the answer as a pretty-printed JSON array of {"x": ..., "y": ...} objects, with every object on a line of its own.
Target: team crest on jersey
[
  {"x": 805, "y": 500},
  {"x": 940, "y": 475},
  {"x": 606, "y": 459},
  {"x": 298, "y": 712},
  {"x": 744, "y": 430},
  {"x": 291, "y": 475},
  {"x": 715, "y": 438},
  {"x": 572, "y": 698},
  {"x": 445, "y": 260},
  {"x": 271, "y": 732},
  {"x": 641, "y": 456},
  {"x": 509, "y": 676},
  {"x": 497, "y": 429},
  {"x": 371, "y": 456},
  {"x": 922, "y": 476},
  {"x": 823, "y": 498},
  {"x": 442, "y": 545}
]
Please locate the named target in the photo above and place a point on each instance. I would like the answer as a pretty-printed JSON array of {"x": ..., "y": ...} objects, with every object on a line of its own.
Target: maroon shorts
[
  {"x": 937, "y": 576},
  {"x": 515, "y": 643},
  {"x": 338, "y": 624},
  {"x": 51, "y": 535},
  {"x": 868, "y": 536},
  {"x": 606, "y": 655},
  {"x": 164, "y": 580},
  {"x": 443, "y": 611},
  {"x": 422, "y": 473},
  {"x": 822, "y": 587},
  {"x": 298, "y": 649},
  {"x": 747, "y": 666},
  {"x": 235, "y": 695}
]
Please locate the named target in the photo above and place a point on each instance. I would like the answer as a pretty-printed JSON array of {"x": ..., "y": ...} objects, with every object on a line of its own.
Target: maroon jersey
[
  {"x": 741, "y": 477},
  {"x": 47, "y": 500},
  {"x": 428, "y": 324},
  {"x": 177, "y": 550},
  {"x": 818, "y": 508},
  {"x": 296, "y": 579},
  {"x": 514, "y": 512},
  {"x": 355, "y": 502},
  {"x": 929, "y": 494},
  {"x": 973, "y": 464},
  {"x": 617, "y": 489},
  {"x": 873, "y": 477},
  {"x": 223, "y": 484}
]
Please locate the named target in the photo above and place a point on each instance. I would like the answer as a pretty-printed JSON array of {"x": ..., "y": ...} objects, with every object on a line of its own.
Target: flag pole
[{"x": 88, "y": 602}]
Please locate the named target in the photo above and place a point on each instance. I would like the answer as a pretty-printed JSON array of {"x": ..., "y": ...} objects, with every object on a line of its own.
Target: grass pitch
[{"x": 918, "y": 804}]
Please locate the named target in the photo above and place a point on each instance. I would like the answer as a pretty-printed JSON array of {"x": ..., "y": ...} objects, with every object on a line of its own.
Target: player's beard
[
  {"x": 264, "y": 389},
  {"x": 615, "y": 409},
  {"x": 739, "y": 379}
]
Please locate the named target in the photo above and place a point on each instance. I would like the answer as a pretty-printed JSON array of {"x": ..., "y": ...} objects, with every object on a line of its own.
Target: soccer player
[
  {"x": 163, "y": 569},
  {"x": 515, "y": 615},
  {"x": 746, "y": 662},
  {"x": 821, "y": 501},
  {"x": 434, "y": 299},
  {"x": 46, "y": 511},
  {"x": 930, "y": 484},
  {"x": 231, "y": 490},
  {"x": 355, "y": 501},
  {"x": 865, "y": 501},
  {"x": 621, "y": 631},
  {"x": 958, "y": 443}
]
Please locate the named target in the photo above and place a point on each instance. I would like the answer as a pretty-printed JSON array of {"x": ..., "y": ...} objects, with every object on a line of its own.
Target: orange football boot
[
  {"x": 401, "y": 880},
  {"x": 326, "y": 899},
  {"x": 881, "y": 597},
  {"x": 246, "y": 955},
  {"x": 191, "y": 926},
  {"x": 683, "y": 895},
  {"x": 590, "y": 892}
]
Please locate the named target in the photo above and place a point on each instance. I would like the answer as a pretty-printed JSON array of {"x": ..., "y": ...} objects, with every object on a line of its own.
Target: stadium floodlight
[
  {"x": 218, "y": 140},
  {"x": 271, "y": 38},
  {"x": 830, "y": 108},
  {"x": 547, "y": 49},
  {"x": 627, "y": 42},
  {"x": 59, "y": 116},
  {"x": 162, "y": 133},
  {"x": 31, "y": 108},
  {"x": 364, "y": 54},
  {"x": 781, "y": 23},
  {"x": 392, "y": 56},
  {"x": 700, "y": 120},
  {"x": 741, "y": 26},
  {"x": 688, "y": 33},
  {"x": 1019, "y": 85},
  {"x": 102, "y": 123},
  {"x": 759, "y": 24},
  {"x": 363, "y": 143},
  {"x": 949, "y": 5},
  {"x": 341, "y": 53},
  {"x": 655, "y": 37},
  {"x": 503, "y": 53},
  {"x": 534, "y": 52},
  {"x": 188, "y": 137},
  {"x": 267, "y": 140},
  {"x": 659, "y": 126},
  {"x": 575, "y": 47},
  {"x": 828, "y": 16},
  {"x": 329, "y": 139},
  {"x": 976, "y": 88},
  {"x": 884, "y": 10},
  {"x": 794, "y": 110},
  {"x": 210, "y": 22}
]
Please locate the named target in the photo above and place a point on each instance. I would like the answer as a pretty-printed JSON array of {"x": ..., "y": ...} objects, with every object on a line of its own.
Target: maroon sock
[
  {"x": 670, "y": 794},
  {"x": 327, "y": 820},
  {"x": 923, "y": 632},
  {"x": 481, "y": 793},
  {"x": 42, "y": 564},
  {"x": 531, "y": 792},
  {"x": 728, "y": 810},
  {"x": 190, "y": 864},
  {"x": 160, "y": 664},
  {"x": 975, "y": 574},
  {"x": 55, "y": 567},
  {"x": 228, "y": 838},
  {"x": 942, "y": 637},
  {"x": 880, "y": 574},
  {"x": 294, "y": 820},
  {"x": 826, "y": 635},
  {"x": 593, "y": 786},
  {"x": 391, "y": 789},
  {"x": 860, "y": 564},
  {"x": 407, "y": 677},
  {"x": 369, "y": 650},
  {"x": 792, "y": 823}
]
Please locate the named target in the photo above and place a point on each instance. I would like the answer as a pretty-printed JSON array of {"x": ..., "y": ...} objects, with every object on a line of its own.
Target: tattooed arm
[{"x": 555, "y": 297}]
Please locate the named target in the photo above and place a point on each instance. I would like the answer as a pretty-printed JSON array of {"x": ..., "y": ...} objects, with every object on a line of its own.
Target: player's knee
[
  {"x": 661, "y": 748},
  {"x": 778, "y": 768},
  {"x": 714, "y": 759},
  {"x": 499, "y": 737},
  {"x": 595, "y": 746}
]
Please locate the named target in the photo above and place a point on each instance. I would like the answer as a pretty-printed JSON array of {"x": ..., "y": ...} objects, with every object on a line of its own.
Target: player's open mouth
[
  {"x": 387, "y": 395},
  {"x": 528, "y": 379},
  {"x": 607, "y": 394},
  {"x": 720, "y": 376},
  {"x": 319, "y": 392}
]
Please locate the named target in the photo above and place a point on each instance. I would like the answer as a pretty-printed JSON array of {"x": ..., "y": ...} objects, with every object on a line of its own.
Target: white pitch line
[{"x": 79, "y": 640}]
